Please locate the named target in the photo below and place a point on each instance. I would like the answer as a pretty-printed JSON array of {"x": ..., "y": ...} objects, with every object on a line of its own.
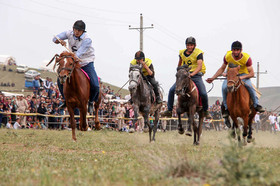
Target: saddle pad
[
  {"x": 88, "y": 76},
  {"x": 199, "y": 98}
]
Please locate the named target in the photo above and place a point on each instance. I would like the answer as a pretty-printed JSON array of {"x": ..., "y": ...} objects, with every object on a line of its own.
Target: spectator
[
  {"x": 257, "y": 122},
  {"x": 22, "y": 107},
  {"x": 36, "y": 85},
  {"x": 9, "y": 124},
  {"x": 120, "y": 110},
  {"x": 1, "y": 115},
  {"x": 16, "y": 124}
]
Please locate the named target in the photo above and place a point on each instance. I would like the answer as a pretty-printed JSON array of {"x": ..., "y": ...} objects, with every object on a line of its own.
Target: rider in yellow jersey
[
  {"x": 193, "y": 57},
  {"x": 236, "y": 56},
  {"x": 148, "y": 72}
]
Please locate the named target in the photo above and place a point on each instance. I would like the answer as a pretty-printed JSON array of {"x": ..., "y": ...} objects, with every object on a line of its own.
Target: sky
[{"x": 28, "y": 26}]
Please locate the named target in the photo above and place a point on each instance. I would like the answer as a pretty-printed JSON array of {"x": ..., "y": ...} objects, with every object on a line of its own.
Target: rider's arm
[
  {"x": 61, "y": 36},
  {"x": 150, "y": 73},
  {"x": 180, "y": 61},
  {"x": 219, "y": 71},
  {"x": 198, "y": 68},
  {"x": 251, "y": 73}
]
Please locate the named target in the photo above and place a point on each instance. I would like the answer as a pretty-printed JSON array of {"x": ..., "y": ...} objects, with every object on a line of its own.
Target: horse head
[
  {"x": 134, "y": 77},
  {"x": 233, "y": 79},
  {"x": 66, "y": 63},
  {"x": 182, "y": 80}
]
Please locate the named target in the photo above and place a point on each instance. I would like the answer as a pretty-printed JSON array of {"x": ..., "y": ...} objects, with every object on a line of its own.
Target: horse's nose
[
  {"x": 131, "y": 88},
  {"x": 230, "y": 88}
]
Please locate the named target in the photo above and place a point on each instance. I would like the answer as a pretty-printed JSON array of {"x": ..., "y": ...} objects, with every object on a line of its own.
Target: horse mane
[
  {"x": 132, "y": 67},
  {"x": 74, "y": 57},
  {"x": 186, "y": 67},
  {"x": 231, "y": 65}
]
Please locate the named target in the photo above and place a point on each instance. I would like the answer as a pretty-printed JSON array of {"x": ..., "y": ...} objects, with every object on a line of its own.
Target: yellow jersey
[
  {"x": 148, "y": 62},
  {"x": 191, "y": 60},
  {"x": 242, "y": 62}
]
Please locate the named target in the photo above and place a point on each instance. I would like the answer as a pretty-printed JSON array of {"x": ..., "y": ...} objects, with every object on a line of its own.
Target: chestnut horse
[
  {"x": 239, "y": 103},
  {"x": 188, "y": 101},
  {"x": 76, "y": 89}
]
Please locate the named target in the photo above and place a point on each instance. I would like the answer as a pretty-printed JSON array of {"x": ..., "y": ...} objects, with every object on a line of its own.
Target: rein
[
  {"x": 64, "y": 68},
  {"x": 237, "y": 83}
]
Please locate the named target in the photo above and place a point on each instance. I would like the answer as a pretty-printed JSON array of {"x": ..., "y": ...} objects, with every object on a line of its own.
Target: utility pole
[
  {"x": 258, "y": 74},
  {"x": 141, "y": 30}
]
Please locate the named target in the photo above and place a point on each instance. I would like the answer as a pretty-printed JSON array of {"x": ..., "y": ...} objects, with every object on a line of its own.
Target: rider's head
[
  {"x": 79, "y": 28},
  {"x": 139, "y": 55},
  {"x": 190, "y": 44},
  {"x": 236, "y": 48}
]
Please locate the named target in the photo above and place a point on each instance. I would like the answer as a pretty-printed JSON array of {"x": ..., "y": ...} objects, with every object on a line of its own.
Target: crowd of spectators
[{"x": 46, "y": 100}]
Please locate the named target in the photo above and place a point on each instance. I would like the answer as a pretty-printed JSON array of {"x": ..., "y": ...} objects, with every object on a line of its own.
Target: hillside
[
  {"x": 19, "y": 80},
  {"x": 270, "y": 98}
]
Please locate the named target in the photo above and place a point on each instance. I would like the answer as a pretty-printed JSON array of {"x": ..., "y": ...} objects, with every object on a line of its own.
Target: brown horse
[
  {"x": 188, "y": 101},
  {"x": 239, "y": 103},
  {"x": 76, "y": 89}
]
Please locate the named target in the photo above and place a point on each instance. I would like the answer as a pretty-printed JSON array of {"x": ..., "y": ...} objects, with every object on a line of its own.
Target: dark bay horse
[
  {"x": 141, "y": 97},
  {"x": 76, "y": 89},
  {"x": 239, "y": 103},
  {"x": 188, "y": 101}
]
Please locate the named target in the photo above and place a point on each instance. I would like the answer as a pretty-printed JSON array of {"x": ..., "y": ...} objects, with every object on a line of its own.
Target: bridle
[
  {"x": 236, "y": 84},
  {"x": 133, "y": 80},
  {"x": 70, "y": 70},
  {"x": 184, "y": 89}
]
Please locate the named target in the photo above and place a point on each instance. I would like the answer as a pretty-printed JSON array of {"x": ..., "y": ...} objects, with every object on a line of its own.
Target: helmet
[
  {"x": 139, "y": 55},
  {"x": 190, "y": 40},
  {"x": 79, "y": 25},
  {"x": 236, "y": 45}
]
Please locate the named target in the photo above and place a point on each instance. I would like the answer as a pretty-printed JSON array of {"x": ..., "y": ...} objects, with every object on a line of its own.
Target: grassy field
[{"x": 45, "y": 157}]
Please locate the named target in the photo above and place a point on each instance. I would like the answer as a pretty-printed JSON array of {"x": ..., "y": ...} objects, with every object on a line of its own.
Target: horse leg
[
  {"x": 72, "y": 122},
  {"x": 147, "y": 123},
  {"x": 155, "y": 124},
  {"x": 180, "y": 128},
  {"x": 234, "y": 128},
  {"x": 199, "y": 130},
  {"x": 96, "y": 119},
  {"x": 191, "y": 121},
  {"x": 250, "y": 138},
  {"x": 83, "y": 117},
  {"x": 245, "y": 128}
]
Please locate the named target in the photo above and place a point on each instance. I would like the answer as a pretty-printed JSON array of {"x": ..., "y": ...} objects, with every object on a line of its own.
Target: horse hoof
[
  {"x": 188, "y": 133},
  {"x": 196, "y": 143},
  {"x": 249, "y": 140},
  {"x": 180, "y": 131}
]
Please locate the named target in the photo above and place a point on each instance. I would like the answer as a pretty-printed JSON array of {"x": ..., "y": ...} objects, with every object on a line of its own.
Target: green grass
[{"x": 44, "y": 157}]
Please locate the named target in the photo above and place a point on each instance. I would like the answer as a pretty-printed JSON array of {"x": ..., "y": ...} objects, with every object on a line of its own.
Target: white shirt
[
  {"x": 272, "y": 119},
  {"x": 257, "y": 118},
  {"x": 17, "y": 125},
  {"x": 9, "y": 126}
]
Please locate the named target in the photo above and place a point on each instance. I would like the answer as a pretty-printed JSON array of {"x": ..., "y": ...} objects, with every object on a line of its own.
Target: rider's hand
[
  {"x": 63, "y": 43},
  {"x": 209, "y": 80}
]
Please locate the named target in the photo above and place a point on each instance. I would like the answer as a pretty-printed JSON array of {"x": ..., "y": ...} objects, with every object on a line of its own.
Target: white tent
[
  {"x": 44, "y": 67},
  {"x": 10, "y": 94},
  {"x": 7, "y": 60}
]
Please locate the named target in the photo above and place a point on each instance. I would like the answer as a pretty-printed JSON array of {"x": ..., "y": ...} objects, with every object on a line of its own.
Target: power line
[
  {"x": 79, "y": 13},
  {"x": 60, "y": 17}
]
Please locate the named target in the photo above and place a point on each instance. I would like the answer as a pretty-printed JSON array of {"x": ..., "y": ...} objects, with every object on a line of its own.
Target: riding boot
[
  {"x": 63, "y": 105},
  {"x": 158, "y": 98},
  {"x": 90, "y": 107},
  {"x": 207, "y": 115},
  {"x": 225, "y": 113},
  {"x": 259, "y": 108}
]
